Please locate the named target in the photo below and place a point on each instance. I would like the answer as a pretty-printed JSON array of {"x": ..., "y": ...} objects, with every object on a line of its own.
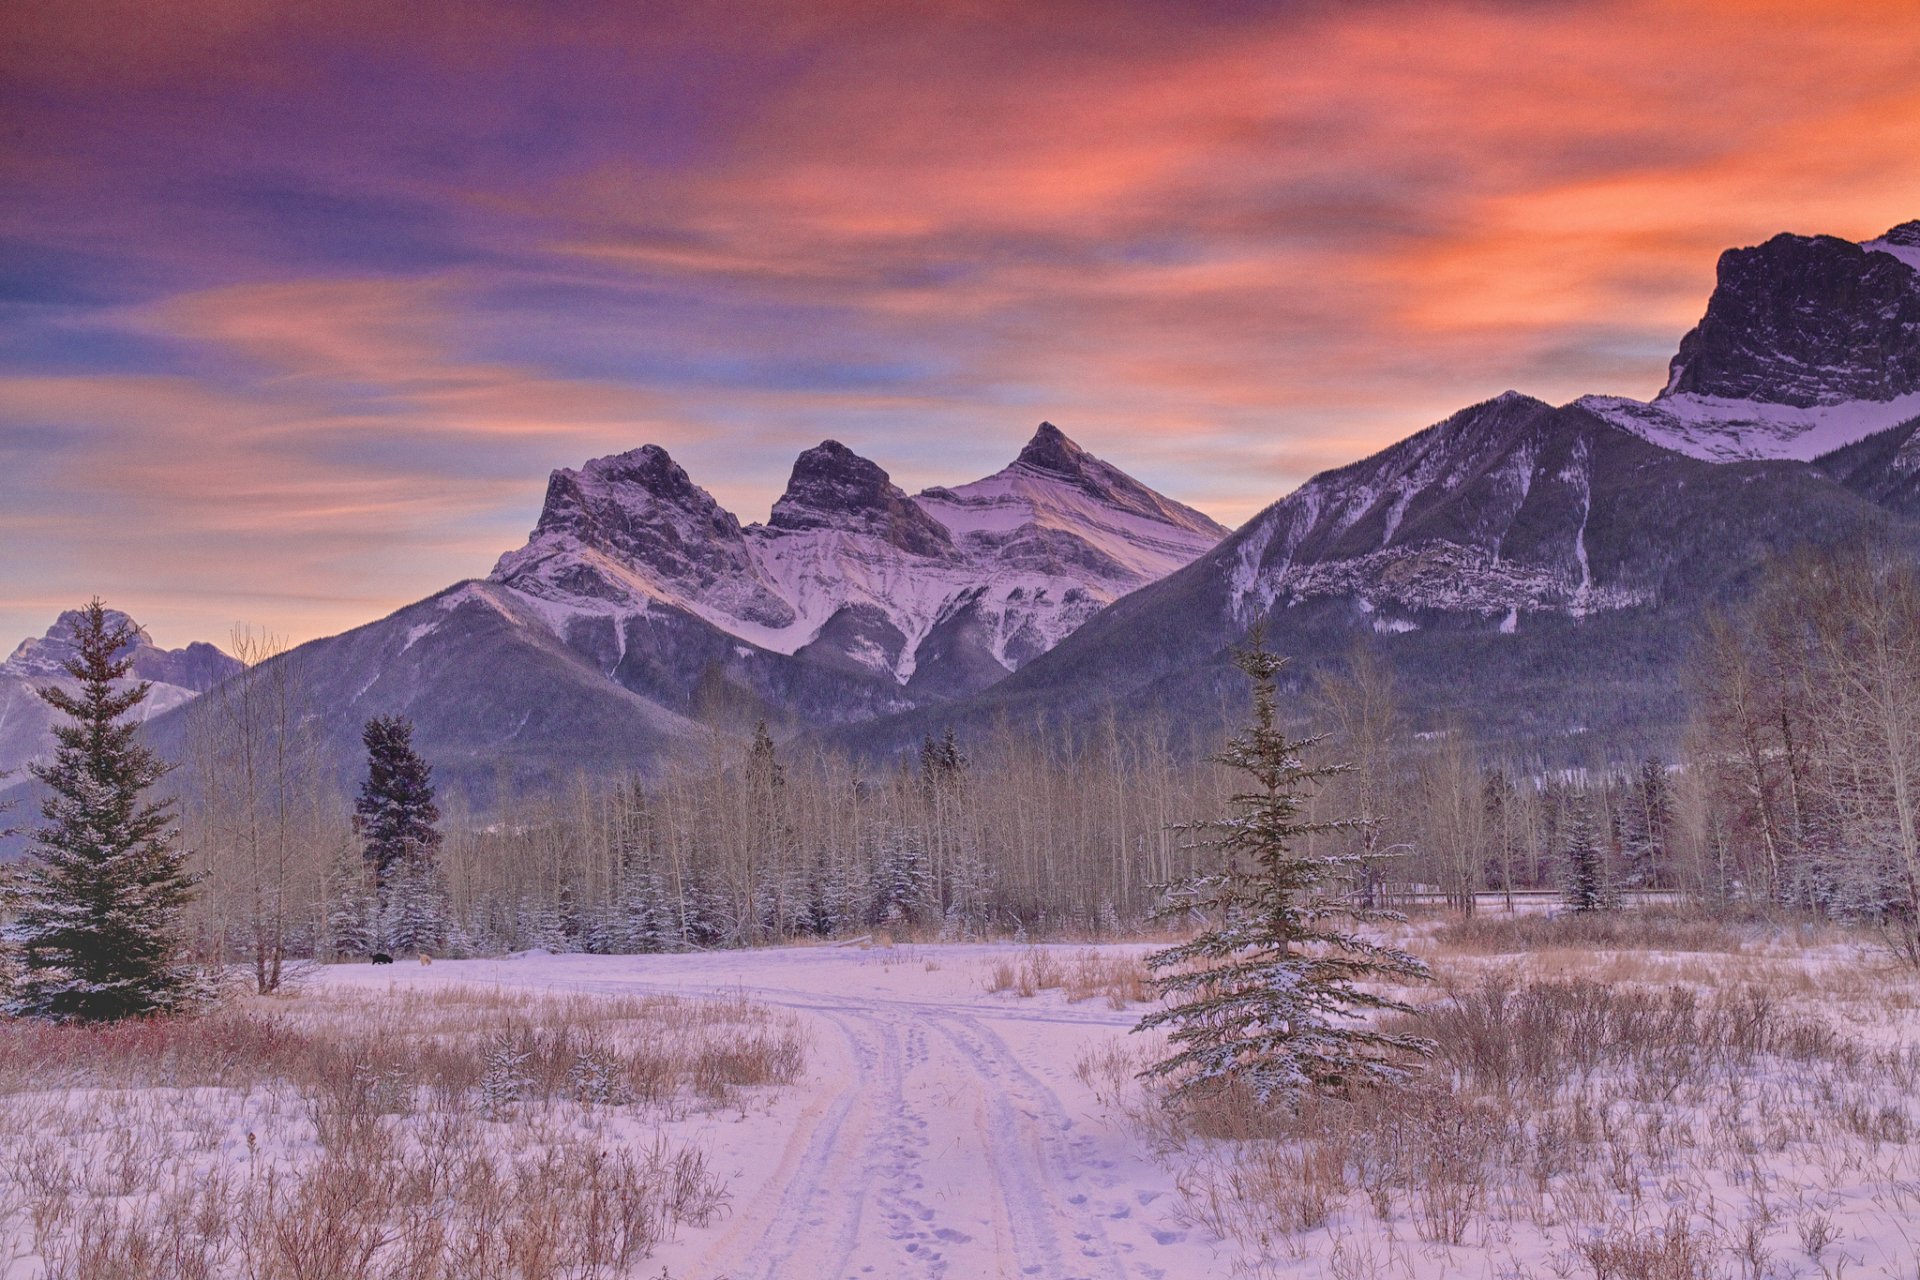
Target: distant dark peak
[
  {"x": 1506, "y": 407},
  {"x": 1907, "y": 233},
  {"x": 1050, "y": 450},
  {"x": 1805, "y": 320},
  {"x": 832, "y": 477},
  {"x": 832, "y": 487}
]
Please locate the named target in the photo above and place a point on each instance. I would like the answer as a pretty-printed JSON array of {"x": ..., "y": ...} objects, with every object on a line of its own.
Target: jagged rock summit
[
  {"x": 945, "y": 591},
  {"x": 1808, "y": 344},
  {"x": 642, "y": 622}
]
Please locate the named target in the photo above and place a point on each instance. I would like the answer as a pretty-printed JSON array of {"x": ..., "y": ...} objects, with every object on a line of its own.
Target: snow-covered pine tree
[
  {"x": 98, "y": 911},
  {"x": 413, "y": 918},
  {"x": 397, "y": 820},
  {"x": 1267, "y": 996},
  {"x": 1586, "y": 883},
  {"x": 351, "y": 908},
  {"x": 643, "y": 916},
  {"x": 396, "y": 812},
  {"x": 900, "y": 885}
]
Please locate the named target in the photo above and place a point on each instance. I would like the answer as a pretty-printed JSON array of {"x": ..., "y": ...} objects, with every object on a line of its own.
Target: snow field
[
  {"x": 1735, "y": 1106},
  {"x": 373, "y": 1132}
]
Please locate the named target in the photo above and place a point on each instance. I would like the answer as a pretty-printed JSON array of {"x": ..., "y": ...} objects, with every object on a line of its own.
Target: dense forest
[{"x": 1796, "y": 790}]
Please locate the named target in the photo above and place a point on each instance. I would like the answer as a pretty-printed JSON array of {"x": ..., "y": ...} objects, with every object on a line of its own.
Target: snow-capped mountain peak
[
  {"x": 176, "y": 676},
  {"x": 631, "y": 528},
  {"x": 1903, "y": 242},
  {"x": 196, "y": 668},
  {"x": 1113, "y": 525},
  {"x": 950, "y": 589},
  {"x": 1808, "y": 344}
]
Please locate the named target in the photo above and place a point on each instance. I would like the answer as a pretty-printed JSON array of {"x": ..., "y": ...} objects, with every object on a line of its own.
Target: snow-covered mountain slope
[
  {"x": 1903, "y": 242},
  {"x": 944, "y": 592},
  {"x": 1535, "y": 573},
  {"x": 177, "y": 676},
  {"x": 1540, "y": 572},
  {"x": 642, "y": 623},
  {"x": 1809, "y": 344}
]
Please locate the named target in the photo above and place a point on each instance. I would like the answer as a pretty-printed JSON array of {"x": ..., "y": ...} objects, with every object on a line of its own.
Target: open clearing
[
  {"x": 944, "y": 1127},
  {"x": 939, "y": 1130},
  {"x": 1638, "y": 1098}
]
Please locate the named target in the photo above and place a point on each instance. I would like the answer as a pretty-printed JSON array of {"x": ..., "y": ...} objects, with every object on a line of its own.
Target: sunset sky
[{"x": 303, "y": 300}]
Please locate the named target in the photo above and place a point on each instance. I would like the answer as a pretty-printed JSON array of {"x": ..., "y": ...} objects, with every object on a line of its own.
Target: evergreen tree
[
  {"x": 395, "y": 813},
  {"x": 413, "y": 917},
  {"x": 351, "y": 907},
  {"x": 396, "y": 817},
  {"x": 1266, "y": 997},
  {"x": 643, "y": 916},
  {"x": 773, "y": 900},
  {"x": 1645, "y": 825},
  {"x": 900, "y": 887},
  {"x": 940, "y": 761},
  {"x": 1586, "y": 883},
  {"x": 99, "y": 905}
]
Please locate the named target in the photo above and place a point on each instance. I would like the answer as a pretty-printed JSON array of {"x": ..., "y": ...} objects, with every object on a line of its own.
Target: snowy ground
[
  {"x": 947, "y": 1125},
  {"x": 941, "y": 1130},
  {"x": 947, "y": 1129}
]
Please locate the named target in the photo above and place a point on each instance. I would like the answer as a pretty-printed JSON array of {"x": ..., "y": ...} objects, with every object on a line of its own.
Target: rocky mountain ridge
[
  {"x": 1537, "y": 570},
  {"x": 1808, "y": 344},
  {"x": 942, "y": 592}
]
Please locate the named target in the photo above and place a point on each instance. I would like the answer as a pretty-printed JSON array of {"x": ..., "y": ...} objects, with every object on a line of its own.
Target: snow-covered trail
[{"x": 940, "y": 1131}]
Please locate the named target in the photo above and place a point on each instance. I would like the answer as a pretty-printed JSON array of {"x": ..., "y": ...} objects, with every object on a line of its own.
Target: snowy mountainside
[
  {"x": 642, "y": 623},
  {"x": 26, "y": 722},
  {"x": 1538, "y": 571},
  {"x": 1486, "y": 513},
  {"x": 1808, "y": 344},
  {"x": 1903, "y": 242},
  {"x": 943, "y": 592}
]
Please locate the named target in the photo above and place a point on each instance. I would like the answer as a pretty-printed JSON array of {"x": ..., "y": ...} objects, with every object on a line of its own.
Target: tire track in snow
[
  {"x": 1033, "y": 1187},
  {"x": 856, "y": 1204},
  {"x": 823, "y": 1197}
]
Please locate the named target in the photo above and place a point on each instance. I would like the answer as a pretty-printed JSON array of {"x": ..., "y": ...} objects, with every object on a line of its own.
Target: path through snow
[{"x": 940, "y": 1130}]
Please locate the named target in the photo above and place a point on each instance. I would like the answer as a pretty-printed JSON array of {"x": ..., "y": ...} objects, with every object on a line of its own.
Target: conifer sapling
[{"x": 1268, "y": 995}]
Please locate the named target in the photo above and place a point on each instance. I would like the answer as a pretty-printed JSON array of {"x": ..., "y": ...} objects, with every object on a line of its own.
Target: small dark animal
[{"x": 381, "y": 957}]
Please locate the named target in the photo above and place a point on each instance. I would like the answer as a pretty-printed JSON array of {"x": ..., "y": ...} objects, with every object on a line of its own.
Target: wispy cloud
[{"x": 299, "y": 303}]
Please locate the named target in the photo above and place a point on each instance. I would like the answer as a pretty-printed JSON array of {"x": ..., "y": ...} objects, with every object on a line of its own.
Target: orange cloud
[{"x": 390, "y": 263}]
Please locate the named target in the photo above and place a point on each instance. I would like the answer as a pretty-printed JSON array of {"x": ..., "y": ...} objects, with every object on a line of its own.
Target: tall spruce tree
[
  {"x": 1586, "y": 886},
  {"x": 97, "y": 924},
  {"x": 395, "y": 813},
  {"x": 397, "y": 819},
  {"x": 1267, "y": 995}
]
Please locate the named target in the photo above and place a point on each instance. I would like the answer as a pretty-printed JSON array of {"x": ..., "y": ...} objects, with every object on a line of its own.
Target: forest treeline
[{"x": 1795, "y": 787}]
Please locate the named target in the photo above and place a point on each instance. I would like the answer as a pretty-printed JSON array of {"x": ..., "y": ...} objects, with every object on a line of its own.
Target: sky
[{"x": 300, "y": 303}]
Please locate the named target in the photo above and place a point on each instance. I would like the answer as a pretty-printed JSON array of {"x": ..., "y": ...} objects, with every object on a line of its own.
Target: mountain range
[
  {"x": 642, "y": 620},
  {"x": 1534, "y": 571},
  {"x": 176, "y": 676}
]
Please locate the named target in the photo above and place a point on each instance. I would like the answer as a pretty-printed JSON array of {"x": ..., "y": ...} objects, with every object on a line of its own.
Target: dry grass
[
  {"x": 426, "y": 1136},
  {"x": 1581, "y": 1122},
  {"x": 1119, "y": 979},
  {"x": 1651, "y": 928}
]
